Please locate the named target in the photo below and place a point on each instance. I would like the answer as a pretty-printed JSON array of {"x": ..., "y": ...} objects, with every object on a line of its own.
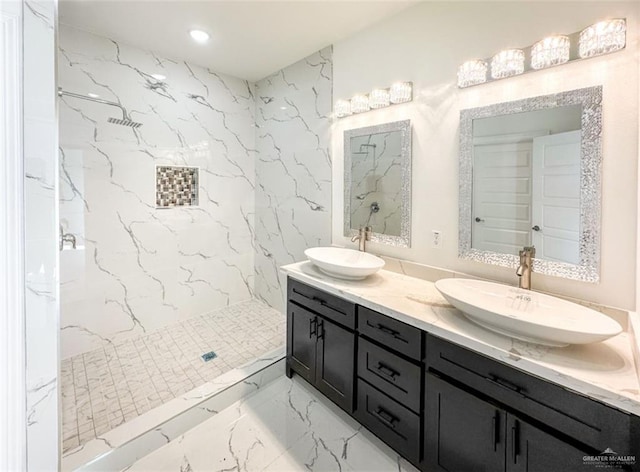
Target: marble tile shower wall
[
  {"x": 41, "y": 218},
  {"x": 293, "y": 169},
  {"x": 138, "y": 268}
]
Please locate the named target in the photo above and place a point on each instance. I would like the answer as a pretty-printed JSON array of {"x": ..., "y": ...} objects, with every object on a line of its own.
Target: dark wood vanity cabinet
[
  {"x": 466, "y": 433},
  {"x": 320, "y": 350},
  {"x": 441, "y": 406},
  {"x": 482, "y": 414}
]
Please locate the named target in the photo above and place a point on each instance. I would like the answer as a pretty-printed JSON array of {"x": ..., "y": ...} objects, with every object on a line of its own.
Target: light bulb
[
  {"x": 507, "y": 63},
  {"x": 602, "y": 38},
  {"x": 472, "y": 73},
  {"x": 199, "y": 36},
  {"x": 379, "y": 98},
  {"x": 359, "y": 103},
  {"x": 401, "y": 92}
]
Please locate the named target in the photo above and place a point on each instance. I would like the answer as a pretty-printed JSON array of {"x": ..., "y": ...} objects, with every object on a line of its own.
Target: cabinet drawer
[
  {"x": 396, "y": 425},
  {"x": 585, "y": 420},
  {"x": 388, "y": 372},
  {"x": 330, "y": 306},
  {"x": 392, "y": 333}
]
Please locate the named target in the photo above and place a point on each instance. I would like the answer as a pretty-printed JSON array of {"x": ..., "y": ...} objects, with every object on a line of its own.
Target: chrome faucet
[
  {"x": 66, "y": 238},
  {"x": 364, "y": 235},
  {"x": 524, "y": 270}
]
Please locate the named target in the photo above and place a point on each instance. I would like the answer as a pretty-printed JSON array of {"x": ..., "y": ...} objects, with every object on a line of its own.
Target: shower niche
[
  {"x": 377, "y": 186},
  {"x": 176, "y": 186}
]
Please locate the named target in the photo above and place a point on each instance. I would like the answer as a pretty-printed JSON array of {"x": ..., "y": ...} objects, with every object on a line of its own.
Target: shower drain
[{"x": 208, "y": 356}]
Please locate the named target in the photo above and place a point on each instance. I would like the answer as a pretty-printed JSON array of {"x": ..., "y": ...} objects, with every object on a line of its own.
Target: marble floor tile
[
  {"x": 285, "y": 426},
  {"x": 104, "y": 388}
]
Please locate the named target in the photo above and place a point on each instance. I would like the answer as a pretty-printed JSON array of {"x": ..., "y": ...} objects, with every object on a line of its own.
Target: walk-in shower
[{"x": 158, "y": 307}]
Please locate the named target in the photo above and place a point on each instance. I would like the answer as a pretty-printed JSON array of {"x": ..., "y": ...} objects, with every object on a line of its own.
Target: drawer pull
[
  {"x": 385, "y": 417},
  {"x": 494, "y": 379},
  {"x": 388, "y": 331},
  {"x": 318, "y": 300},
  {"x": 321, "y": 329},
  {"x": 326, "y": 304},
  {"x": 387, "y": 371},
  {"x": 313, "y": 298}
]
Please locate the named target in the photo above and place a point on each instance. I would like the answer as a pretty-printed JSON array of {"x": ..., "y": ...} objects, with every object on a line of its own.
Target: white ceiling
[{"x": 249, "y": 39}]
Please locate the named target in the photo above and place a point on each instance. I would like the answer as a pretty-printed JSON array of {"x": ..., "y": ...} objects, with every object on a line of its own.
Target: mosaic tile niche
[{"x": 176, "y": 186}]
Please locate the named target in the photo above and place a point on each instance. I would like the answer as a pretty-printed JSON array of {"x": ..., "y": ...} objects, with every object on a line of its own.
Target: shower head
[
  {"x": 125, "y": 121},
  {"x": 365, "y": 151}
]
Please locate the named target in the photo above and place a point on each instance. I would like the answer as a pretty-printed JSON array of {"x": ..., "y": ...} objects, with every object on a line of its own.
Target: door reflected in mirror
[
  {"x": 378, "y": 181},
  {"x": 526, "y": 183}
]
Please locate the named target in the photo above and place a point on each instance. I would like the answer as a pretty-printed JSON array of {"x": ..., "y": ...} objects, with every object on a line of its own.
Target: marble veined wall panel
[
  {"x": 41, "y": 227},
  {"x": 293, "y": 169},
  {"x": 136, "y": 267}
]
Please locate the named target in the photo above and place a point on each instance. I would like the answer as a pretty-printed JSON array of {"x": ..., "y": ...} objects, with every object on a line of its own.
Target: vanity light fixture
[
  {"x": 379, "y": 98},
  {"x": 550, "y": 51},
  {"x": 600, "y": 38},
  {"x": 507, "y": 63},
  {"x": 603, "y": 37},
  {"x": 401, "y": 92},
  {"x": 342, "y": 108},
  {"x": 93, "y": 95},
  {"x": 199, "y": 36},
  {"x": 360, "y": 104},
  {"x": 472, "y": 73}
]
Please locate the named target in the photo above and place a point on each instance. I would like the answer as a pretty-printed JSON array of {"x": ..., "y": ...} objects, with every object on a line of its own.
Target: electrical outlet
[{"x": 436, "y": 238}]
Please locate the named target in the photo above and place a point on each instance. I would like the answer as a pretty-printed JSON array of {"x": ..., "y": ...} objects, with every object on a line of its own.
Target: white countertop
[{"x": 604, "y": 371}]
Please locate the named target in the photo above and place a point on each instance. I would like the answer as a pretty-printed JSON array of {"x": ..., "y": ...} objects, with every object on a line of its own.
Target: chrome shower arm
[{"x": 97, "y": 100}]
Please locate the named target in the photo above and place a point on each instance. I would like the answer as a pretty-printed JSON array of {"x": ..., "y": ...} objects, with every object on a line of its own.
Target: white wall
[
  {"x": 293, "y": 169},
  {"x": 426, "y": 44}
]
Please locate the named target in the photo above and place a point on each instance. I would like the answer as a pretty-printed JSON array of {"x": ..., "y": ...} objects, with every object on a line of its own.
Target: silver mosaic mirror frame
[
  {"x": 404, "y": 240},
  {"x": 590, "y": 98}
]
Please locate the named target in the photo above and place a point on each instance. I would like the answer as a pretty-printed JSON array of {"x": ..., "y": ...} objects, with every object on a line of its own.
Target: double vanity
[
  {"x": 449, "y": 395},
  {"x": 467, "y": 375}
]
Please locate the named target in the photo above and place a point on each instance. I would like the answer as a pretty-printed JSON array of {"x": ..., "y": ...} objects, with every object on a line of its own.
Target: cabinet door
[
  {"x": 335, "y": 363},
  {"x": 530, "y": 449},
  {"x": 301, "y": 341},
  {"x": 462, "y": 432}
]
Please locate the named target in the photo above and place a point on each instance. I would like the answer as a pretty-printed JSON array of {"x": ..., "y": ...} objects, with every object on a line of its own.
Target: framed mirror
[
  {"x": 377, "y": 182},
  {"x": 530, "y": 176}
]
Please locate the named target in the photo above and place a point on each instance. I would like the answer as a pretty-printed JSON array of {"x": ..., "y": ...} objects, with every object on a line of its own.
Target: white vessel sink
[
  {"x": 344, "y": 263},
  {"x": 526, "y": 315}
]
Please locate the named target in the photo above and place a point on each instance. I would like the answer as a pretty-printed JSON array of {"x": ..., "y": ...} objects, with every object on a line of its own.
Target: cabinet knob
[
  {"x": 536, "y": 228},
  {"x": 478, "y": 219}
]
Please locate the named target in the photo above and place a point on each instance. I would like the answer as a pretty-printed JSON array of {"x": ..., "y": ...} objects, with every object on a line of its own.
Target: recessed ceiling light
[
  {"x": 159, "y": 77},
  {"x": 199, "y": 35},
  {"x": 93, "y": 95},
  {"x": 283, "y": 108}
]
